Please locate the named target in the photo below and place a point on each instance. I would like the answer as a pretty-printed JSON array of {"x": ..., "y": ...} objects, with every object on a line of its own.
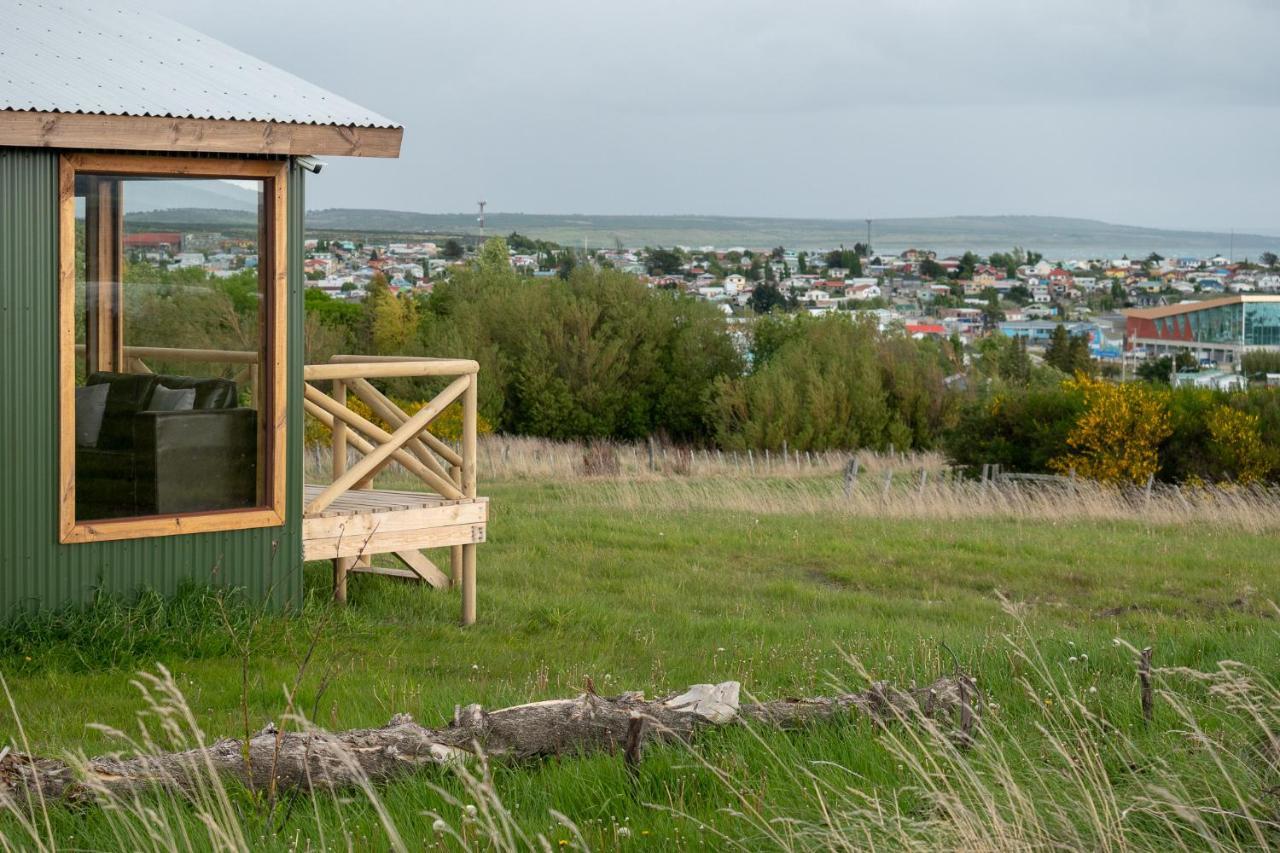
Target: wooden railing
[
  {"x": 443, "y": 470},
  {"x": 135, "y": 361}
]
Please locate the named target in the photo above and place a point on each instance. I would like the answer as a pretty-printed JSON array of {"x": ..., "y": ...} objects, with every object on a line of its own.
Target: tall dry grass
[
  {"x": 909, "y": 495},
  {"x": 1082, "y": 780},
  {"x": 1086, "y": 781},
  {"x": 512, "y": 458},
  {"x": 641, "y": 478}
]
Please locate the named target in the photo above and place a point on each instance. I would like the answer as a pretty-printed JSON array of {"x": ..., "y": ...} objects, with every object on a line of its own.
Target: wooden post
[
  {"x": 338, "y": 445},
  {"x": 850, "y": 476},
  {"x": 339, "y": 431},
  {"x": 469, "y": 417},
  {"x": 1144, "y": 675},
  {"x": 104, "y": 266},
  {"x": 455, "y": 551},
  {"x": 341, "y": 566}
]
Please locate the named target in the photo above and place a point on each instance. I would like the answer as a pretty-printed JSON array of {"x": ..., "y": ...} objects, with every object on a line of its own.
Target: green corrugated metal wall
[{"x": 34, "y": 568}]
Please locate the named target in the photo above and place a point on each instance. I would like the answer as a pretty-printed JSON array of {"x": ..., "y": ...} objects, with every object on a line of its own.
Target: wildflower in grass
[
  {"x": 439, "y": 826},
  {"x": 623, "y": 832}
]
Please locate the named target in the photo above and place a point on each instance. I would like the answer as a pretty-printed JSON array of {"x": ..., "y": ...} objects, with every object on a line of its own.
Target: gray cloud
[{"x": 1156, "y": 112}]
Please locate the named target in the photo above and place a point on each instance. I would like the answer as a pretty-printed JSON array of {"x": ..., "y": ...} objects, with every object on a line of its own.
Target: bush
[
  {"x": 1117, "y": 437},
  {"x": 1019, "y": 429},
  {"x": 1112, "y": 432},
  {"x": 833, "y": 383}
]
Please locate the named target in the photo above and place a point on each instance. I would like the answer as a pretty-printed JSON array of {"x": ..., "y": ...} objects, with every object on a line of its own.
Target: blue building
[{"x": 1038, "y": 333}]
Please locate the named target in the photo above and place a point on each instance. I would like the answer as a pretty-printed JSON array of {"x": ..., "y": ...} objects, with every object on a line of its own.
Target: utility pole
[
  {"x": 480, "y": 218},
  {"x": 868, "y": 238}
]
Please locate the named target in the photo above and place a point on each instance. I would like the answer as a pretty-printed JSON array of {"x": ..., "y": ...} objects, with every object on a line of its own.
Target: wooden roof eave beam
[{"x": 150, "y": 133}]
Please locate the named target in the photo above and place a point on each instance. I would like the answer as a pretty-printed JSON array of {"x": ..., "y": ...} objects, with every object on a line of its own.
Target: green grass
[{"x": 655, "y": 601}]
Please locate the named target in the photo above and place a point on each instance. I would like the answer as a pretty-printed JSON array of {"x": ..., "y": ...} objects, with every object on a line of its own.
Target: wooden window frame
[{"x": 274, "y": 175}]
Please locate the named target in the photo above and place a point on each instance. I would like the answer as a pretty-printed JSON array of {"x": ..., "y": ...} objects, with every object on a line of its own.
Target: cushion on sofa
[
  {"x": 129, "y": 395},
  {"x": 210, "y": 393},
  {"x": 172, "y": 399},
  {"x": 91, "y": 405}
]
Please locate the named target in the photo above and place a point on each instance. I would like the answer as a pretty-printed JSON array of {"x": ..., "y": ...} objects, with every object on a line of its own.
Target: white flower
[
  {"x": 720, "y": 648},
  {"x": 439, "y": 825},
  {"x": 470, "y": 810},
  {"x": 623, "y": 832},
  {"x": 1072, "y": 658},
  {"x": 1093, "y": 690},
  {"x": 1084, "y": 656}
]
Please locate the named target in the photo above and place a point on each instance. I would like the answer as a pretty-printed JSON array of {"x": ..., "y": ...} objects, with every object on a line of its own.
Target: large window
[
  {"x": 172, "y": 293},
  {"x": 1262, "y": 324}
]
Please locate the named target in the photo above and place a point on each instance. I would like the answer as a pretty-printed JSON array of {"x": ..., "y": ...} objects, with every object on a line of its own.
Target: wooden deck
[
  {"x": 363, "y": 522},
  {"x": 348, "y": 522}
]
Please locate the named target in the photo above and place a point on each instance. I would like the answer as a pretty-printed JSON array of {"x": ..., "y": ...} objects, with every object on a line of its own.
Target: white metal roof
[{"x": 117, "y": 61}]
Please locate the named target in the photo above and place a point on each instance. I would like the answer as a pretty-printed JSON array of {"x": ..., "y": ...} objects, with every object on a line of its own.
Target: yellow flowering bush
[
  {"x": 1236, "y": 440},
  {"x": 1117, "y": 437}
]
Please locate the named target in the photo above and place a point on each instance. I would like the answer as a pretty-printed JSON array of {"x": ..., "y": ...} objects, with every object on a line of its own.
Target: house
[
  {"x": 862, "y": 292},
  {"x": 162, "y": 458}
]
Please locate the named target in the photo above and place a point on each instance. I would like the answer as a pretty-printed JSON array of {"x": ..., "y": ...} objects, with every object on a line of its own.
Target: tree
[
  {"x": 968, "y": 263},
  {"x": 766, "y": 297},
  {"x": 929, "y": 268},
  {"x": 1269, "y": 260},
  {"x": 452, "y": 250},
  {"x": 845, "y": 259},
  {"x": 1068, "y": 353},
  {"x": 1058, "y": 352},
  {"x": 391, "y": 321},
  {"x": 660, "y": 261},
  {"x": 992, "y": 314},
  {"x": 802, "y": 263}
]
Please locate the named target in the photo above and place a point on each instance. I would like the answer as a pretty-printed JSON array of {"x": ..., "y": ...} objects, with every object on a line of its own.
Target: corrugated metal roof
[{"x": 116, "y": 61}]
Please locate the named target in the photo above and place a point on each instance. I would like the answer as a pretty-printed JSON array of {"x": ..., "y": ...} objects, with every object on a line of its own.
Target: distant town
[{"x": 1123, "y": 307}]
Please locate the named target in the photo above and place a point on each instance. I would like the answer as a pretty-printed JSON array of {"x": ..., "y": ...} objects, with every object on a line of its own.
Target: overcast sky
[{"x": 1145, "y": 112}]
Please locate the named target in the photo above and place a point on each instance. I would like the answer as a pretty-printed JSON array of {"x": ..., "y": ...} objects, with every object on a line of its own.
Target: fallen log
[{"x": 316, "y": 759}]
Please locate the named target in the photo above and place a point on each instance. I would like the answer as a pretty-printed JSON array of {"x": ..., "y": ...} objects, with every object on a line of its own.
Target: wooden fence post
[{"x": 1144, "y": 676}]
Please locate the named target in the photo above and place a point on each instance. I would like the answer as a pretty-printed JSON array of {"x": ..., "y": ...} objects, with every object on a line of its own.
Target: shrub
[
  {"x": 1237, "y": 444},
  {"x": 1117, "y": 437},
  {"x": 833, "y": 383},
  {"x": 1021, "y": 430}
]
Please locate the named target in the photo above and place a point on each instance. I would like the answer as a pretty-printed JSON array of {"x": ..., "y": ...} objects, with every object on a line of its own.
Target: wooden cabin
[{"x": 153, "y": 396}]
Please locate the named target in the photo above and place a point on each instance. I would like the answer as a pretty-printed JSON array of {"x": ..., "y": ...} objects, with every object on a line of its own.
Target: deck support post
[
  {"x": 341, "y": 568},
  {"x": 470, "y": 404},
  {"x": 455, "y": 551}
]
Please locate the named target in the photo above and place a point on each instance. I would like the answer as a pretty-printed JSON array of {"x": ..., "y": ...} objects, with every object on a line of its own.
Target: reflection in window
[
  {"x": 1262, "y": 324},
  {"x": 170, "y": 336}
]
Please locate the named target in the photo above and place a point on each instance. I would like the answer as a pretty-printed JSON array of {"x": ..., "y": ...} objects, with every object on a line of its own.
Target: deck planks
[{"x": 363, "y": 522}]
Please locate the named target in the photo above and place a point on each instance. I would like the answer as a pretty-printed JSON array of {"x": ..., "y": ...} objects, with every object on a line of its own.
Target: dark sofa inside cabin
[{"x": 158, "y": 445}]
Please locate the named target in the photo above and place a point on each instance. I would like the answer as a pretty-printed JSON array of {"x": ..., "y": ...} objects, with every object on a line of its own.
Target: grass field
[{"x": 589, "y": 579}]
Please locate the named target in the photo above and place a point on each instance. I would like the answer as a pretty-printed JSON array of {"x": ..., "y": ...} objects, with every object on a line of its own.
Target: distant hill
[
  {"x": 204, "y": 197},
  {"x": 1055, "y": 237}
]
